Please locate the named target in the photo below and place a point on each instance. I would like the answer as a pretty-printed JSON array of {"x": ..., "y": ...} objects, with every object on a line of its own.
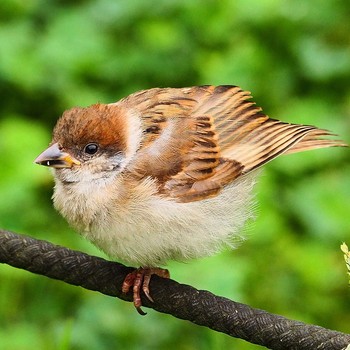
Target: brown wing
[
  {"x": 199, "y": 139},
  {"x": 250, "y": 137}
]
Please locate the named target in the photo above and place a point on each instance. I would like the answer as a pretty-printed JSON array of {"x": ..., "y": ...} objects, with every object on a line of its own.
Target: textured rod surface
[{"x": 182, "y": 301}]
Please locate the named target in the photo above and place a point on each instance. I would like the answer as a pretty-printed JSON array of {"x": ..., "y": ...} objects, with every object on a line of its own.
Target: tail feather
[{"x": 314, "y": 140}]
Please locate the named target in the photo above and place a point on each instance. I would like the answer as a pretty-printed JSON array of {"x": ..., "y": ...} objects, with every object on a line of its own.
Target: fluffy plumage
[
  {"x": 172, "y": 177},
  {"x": 166, "y": 173}
]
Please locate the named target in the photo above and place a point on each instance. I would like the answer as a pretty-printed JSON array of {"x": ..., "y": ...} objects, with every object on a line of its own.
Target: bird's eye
[{"x": 91, "y": 148}]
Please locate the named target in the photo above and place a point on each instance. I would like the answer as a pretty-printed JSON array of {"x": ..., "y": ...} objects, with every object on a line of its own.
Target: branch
[{"x": 182, "y": 301}]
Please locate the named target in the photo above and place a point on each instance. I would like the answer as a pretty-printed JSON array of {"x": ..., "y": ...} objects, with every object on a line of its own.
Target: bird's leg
[{"x": 140, "y": 278}]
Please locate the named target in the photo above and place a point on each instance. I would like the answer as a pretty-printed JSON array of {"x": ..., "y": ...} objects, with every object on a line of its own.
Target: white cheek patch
[{"x": 115, "y": 162}]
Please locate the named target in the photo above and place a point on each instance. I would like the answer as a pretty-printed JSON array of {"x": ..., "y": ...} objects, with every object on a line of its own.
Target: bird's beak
[{"x": 55, "y": 158}]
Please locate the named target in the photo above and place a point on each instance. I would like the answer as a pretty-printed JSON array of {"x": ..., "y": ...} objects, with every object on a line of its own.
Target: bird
[{"x": 166, "y": 173}]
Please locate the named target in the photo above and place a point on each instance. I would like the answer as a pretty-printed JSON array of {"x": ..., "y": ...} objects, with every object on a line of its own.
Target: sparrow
[{"x": 166, "y": 173}]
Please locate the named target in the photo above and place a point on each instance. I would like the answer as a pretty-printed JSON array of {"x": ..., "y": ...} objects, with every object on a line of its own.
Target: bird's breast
[{"x": 142, "y": 228}]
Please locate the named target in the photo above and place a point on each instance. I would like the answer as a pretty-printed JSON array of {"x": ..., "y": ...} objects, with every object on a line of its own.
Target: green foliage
[{"x": 294, "y": 56}]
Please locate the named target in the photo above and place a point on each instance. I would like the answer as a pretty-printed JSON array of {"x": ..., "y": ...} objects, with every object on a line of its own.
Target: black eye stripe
[{"x": 91, "y": 148}]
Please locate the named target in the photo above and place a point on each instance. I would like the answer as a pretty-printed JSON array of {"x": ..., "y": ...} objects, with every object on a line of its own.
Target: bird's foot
[{"x": 138, "y": 279}]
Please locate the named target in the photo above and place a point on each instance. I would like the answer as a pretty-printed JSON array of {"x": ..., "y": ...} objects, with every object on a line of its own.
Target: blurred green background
[{"x": 295, "y": 58}]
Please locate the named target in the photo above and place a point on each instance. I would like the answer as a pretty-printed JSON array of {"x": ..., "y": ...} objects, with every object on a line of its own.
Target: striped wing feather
[{"x": 218, "y": 135}]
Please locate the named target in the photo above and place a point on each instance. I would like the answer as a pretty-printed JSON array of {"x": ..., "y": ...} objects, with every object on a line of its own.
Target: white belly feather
[{"x": 148, "y": 230}]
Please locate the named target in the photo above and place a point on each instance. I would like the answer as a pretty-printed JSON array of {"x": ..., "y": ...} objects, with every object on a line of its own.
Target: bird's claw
[{"x": 140, "y": 278}]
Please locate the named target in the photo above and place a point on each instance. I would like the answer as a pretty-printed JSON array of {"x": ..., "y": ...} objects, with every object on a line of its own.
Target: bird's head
[{"x": 89, "y": 143}]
